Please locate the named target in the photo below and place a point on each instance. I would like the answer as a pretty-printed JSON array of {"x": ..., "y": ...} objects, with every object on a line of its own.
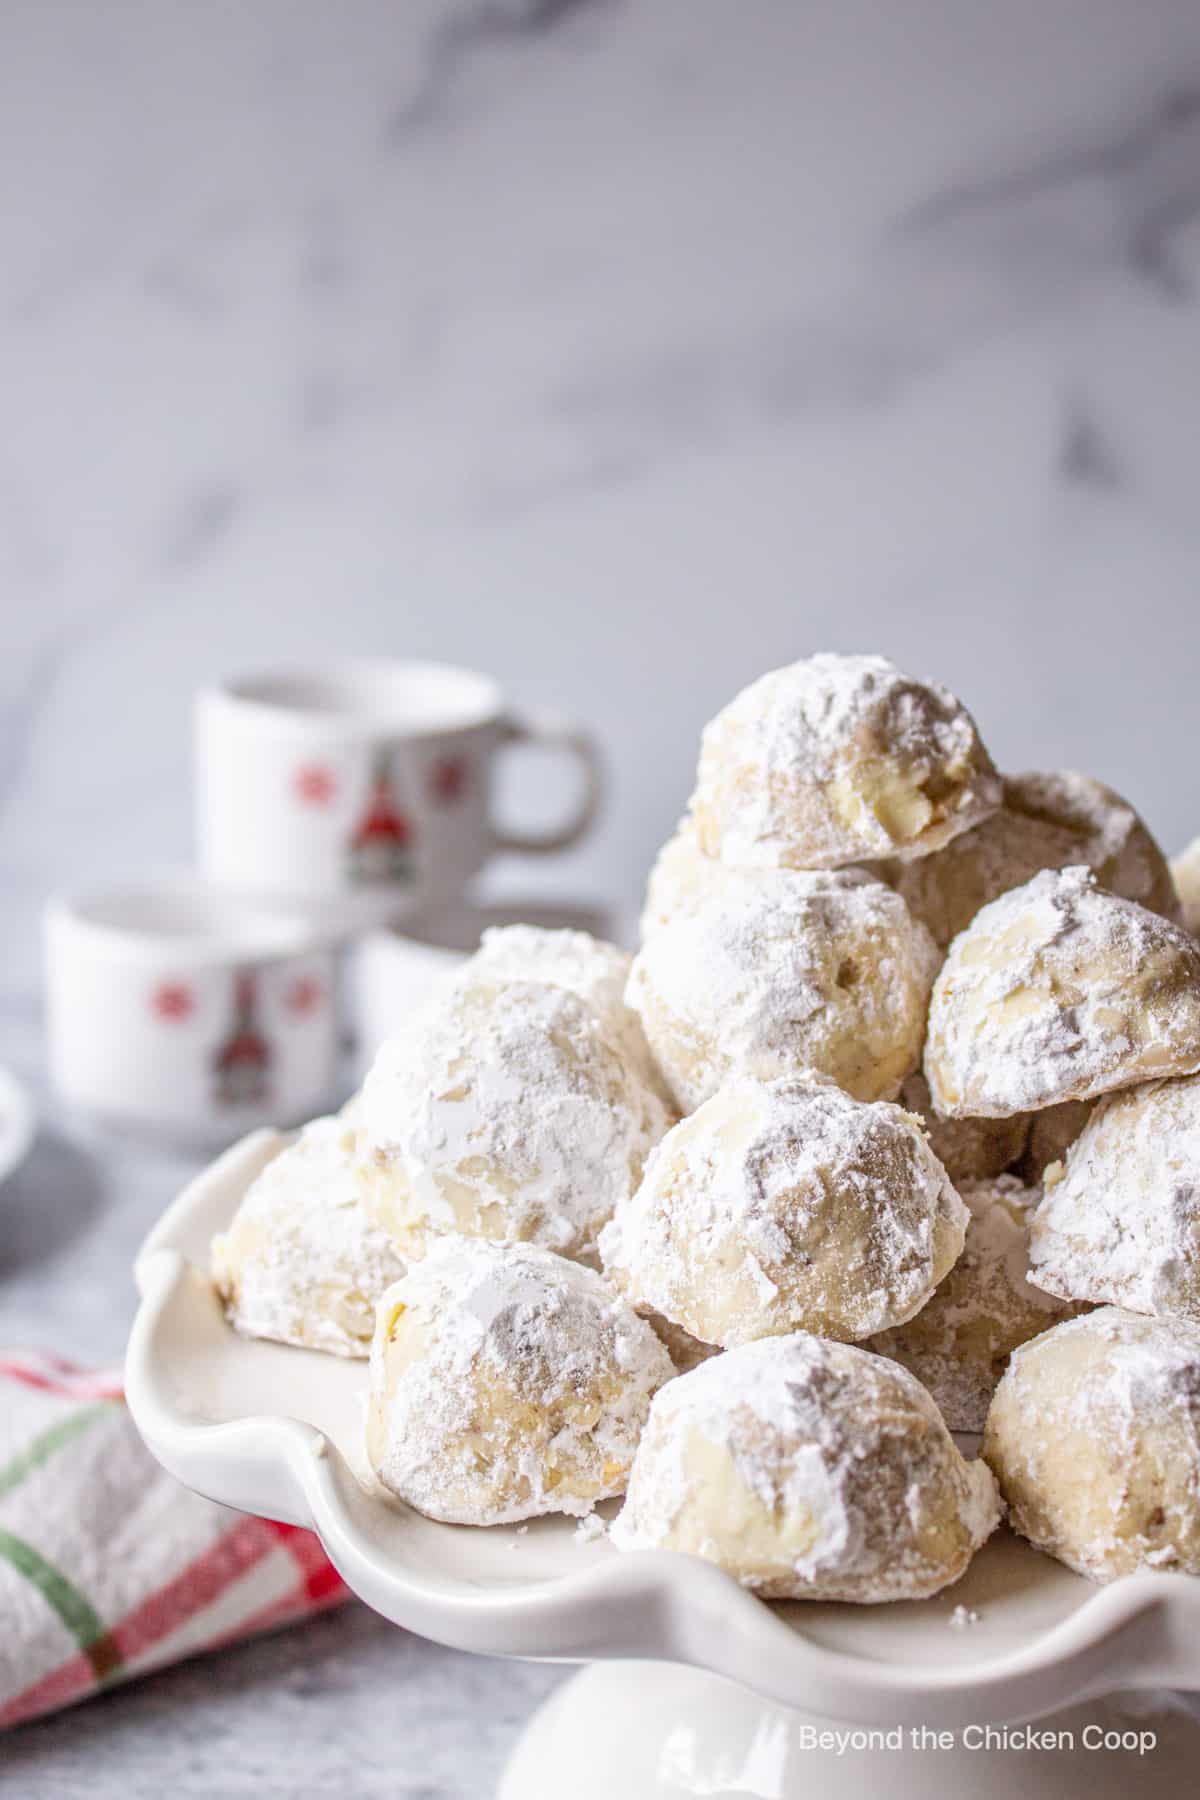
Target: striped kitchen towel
[{"x": 108, "y": 1567}]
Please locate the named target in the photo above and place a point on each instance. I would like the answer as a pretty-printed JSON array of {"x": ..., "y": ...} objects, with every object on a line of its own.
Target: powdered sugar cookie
[
  {"x": 1047, "y": 821},
  {"x": 681, "y": 878},
  {"x": 1121, "y": 1222},
  {"x": 782, "y": 1206},
  {"x": 968, "y": 1149},
  {"x": 301, "y": 1261},
  {"x": 959, "y": 1345},
  {"x": 1060, "y": 991},
  {"x": 1185, "y": 872},
  {"x": 588, "y": 966},
  {"x": 507, "y": 1382},
  {"x": 837, "y": 759},
  {"x": 810, "y": 1471},
  {"x": 1094, "y": 1435},
  {"x": 504, "y": 1111},
  {"x": 793, "y": 971}
]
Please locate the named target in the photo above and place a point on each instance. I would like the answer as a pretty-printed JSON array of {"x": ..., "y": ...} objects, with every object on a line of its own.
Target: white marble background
[{"x": 622, "y": 349}]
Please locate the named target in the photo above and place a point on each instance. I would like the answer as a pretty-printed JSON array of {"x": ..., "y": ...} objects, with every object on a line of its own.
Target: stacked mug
[{"x": 332, "y": 806}]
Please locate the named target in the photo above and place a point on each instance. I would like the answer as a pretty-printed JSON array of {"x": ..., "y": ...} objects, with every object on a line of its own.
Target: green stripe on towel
[
  {"x": 72, "y": 1607},
  {"x": 42, "y": 1448}
]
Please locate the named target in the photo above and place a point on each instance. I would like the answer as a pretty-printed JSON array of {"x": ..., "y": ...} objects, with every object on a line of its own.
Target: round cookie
[
  {"x": 793, "y": 971},
  {"x": 1051, "y": 1134},
  {"x": 836, "y": 759},
  {"x": 784, "y": 1206},
  {"x": 503, "y": 1111},
  {"x": 959, "y": 1345},
  {"x": 968, "y": 1149},
  {"x": 1185, "y": 872},
  {"x": 1121, "y": 1222},
  {"x": 301, "y": 1261},
  {"x": 588, "y": 966},
  {"x": 1059, "y": 991},
  {"x": 681, "y": 878},
  {"x": 507, "y": 1382},
  {"x": 1094, "y": 1436},
  {"x": 809, "y": 1471},
  {"x": 1046, "y": 821}
]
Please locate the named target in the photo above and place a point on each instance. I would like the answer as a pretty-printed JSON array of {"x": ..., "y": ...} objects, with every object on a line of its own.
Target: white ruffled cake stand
[{"x": 695, "y": 1687}]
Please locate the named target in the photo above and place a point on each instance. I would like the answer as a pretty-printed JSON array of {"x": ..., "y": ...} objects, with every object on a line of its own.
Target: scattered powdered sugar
[
  {"x": 836, "y": 759},
  {"x": 591, "y": 1529},
  {"x": 963, "y": 1616},
  {"x": 844, "y": 1444},
  {"x": 959, "y": 1344},
  {"x": 507, "y": 1382},
  {"x": 1122, "y": 1223},
  {"x": 783, "y": 972},
  {"x": 506, "y": 1110},
  {"x": 301, "y": 1261},
  {"x": 1059, "y": 991},
  {"x": 787, "y": 1205}
]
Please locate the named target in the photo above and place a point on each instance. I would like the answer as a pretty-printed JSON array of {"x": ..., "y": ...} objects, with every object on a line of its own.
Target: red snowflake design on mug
[
  {"x": 314, "y": 784},
  {"x": 448, "y": 780},
  {"x": 304, "y": 995},
  {"x": 173, "y": 1001}
]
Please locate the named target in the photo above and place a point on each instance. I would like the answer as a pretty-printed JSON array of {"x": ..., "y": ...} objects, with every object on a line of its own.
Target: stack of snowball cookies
[{"x": 890, "y": 1130}]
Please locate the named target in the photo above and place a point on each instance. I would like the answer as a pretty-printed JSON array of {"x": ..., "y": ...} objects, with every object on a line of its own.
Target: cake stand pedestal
[{"x": 643, "y": 1731}]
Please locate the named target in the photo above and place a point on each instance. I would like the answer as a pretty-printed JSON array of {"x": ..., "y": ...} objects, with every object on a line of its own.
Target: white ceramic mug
[
  {"x": 181, "y": 1013},
  {"x": 362, "y": 791}
]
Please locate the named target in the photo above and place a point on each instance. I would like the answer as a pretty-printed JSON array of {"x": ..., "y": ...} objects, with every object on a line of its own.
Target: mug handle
[{"x": 554, "y": 730}]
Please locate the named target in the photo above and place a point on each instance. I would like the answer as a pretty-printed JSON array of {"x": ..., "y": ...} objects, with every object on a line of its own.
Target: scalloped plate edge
[{"x": 1142, "y": 1632}]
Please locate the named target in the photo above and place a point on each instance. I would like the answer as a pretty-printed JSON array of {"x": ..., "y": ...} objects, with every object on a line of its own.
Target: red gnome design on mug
[
  {"x": 241, "y": 1066},
  {"x": 381, "y": 846}
]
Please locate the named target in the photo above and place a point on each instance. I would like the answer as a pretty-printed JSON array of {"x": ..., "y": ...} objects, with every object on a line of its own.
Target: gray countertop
[{"x": 346, "y": 1705}]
